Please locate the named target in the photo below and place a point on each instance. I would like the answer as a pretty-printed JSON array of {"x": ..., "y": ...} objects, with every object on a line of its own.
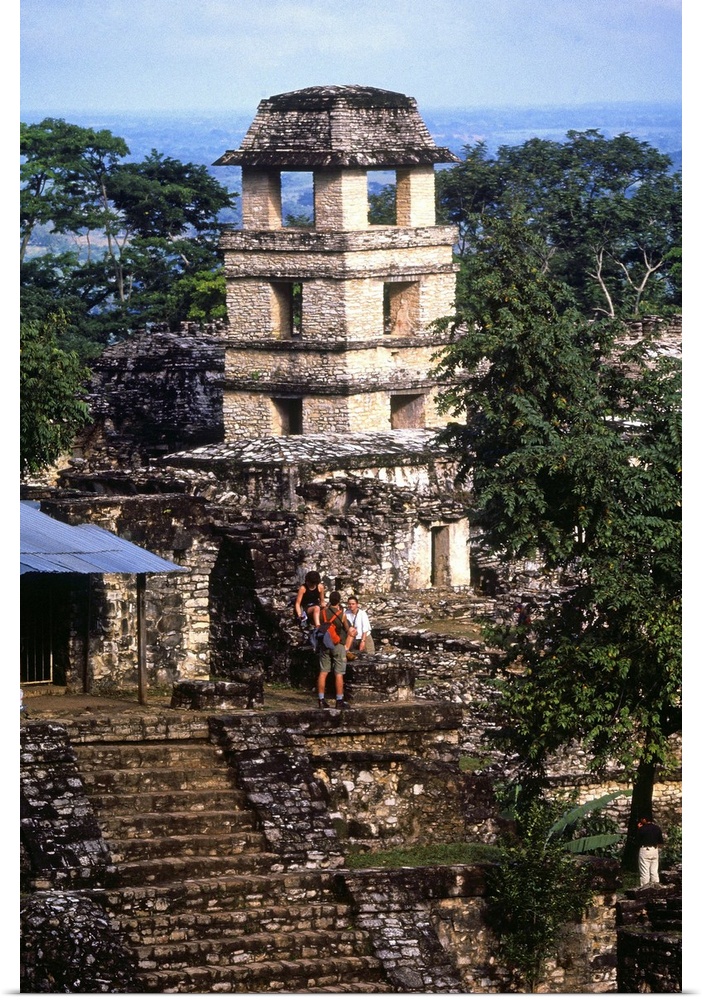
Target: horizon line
[{"x": 241, "y": 110}]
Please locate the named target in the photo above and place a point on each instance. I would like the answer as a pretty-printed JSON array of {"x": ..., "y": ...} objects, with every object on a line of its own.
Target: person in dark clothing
[
  {"x": 310, "y": 599},
  {"x": 650, "y": 837},
  {"x": 523, "y": 615}
]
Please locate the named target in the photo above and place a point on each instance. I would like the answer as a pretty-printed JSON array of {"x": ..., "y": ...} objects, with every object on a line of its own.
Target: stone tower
[{"x": 330, "y": 327}]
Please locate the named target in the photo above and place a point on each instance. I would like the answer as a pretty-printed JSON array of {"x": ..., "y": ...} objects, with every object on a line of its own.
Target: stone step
[
  {"x": 138, "y": 825},
  {"x": 216, "y": 893},
  {"x": 190, "y": 846},
  {"x": 166, "y": 928},
  {"x": 162, "y": 753},
  {"x": 156, "y": 871},
  {"x": 358, "y": 987},
  {"x": 267, "y": 977},
  {"x": 154, "y": 780},
  {"x": 241, "y": 949},
  {"x": 231, "y": 800}
]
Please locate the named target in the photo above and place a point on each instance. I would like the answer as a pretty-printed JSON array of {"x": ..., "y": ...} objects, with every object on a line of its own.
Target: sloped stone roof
[
  {"x": 337, "y": 126},
  {"x": 368, "y": 448}
]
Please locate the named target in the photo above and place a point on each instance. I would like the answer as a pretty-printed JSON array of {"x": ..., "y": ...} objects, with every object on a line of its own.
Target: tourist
[
  {"x": 334, "y": 657},
  {"x": 523, "y": 615},
  {"x": 650, "y": 837},
  {"x": 310, "y": 599},
  {"x": 362, "y": 640}
]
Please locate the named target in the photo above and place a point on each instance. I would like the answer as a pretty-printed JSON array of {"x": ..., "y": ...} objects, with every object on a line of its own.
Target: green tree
[
  {"x": 608, "y": 211},
  {"x": 382, "y": 209},
  {"x": 62, "y": 177},
  {"x": 51, "y": 408},
  {"x": 572, "y": 447},
  {"x": 138, "y": 229},
  {"x": 534, "y": 892}
]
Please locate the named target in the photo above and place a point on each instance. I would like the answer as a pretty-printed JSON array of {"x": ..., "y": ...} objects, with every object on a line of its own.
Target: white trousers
[{"x": 648, "y": 865}]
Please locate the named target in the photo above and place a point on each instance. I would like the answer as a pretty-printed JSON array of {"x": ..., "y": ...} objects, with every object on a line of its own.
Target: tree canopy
[
  {"x": 607, "y": 210},
  {"x": 124, "y": 243},
  {"x": 571, "y": 442},
  {"x": 51, "y": 382}
]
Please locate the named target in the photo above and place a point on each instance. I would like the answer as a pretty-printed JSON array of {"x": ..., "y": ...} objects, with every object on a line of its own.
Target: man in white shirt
[{"x": 361, "y": 639}]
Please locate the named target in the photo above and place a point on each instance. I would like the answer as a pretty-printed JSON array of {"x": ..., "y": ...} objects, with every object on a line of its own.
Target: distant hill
[{"x": 203, "y": 138}]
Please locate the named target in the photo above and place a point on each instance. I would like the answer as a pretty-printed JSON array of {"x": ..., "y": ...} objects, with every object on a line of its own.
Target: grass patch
[
  {"x": 418, "y": 856},
  {"x": 455, "y": 629},
  {"x": 630, "y": 880},
  {"x": 467, "y": 763}
]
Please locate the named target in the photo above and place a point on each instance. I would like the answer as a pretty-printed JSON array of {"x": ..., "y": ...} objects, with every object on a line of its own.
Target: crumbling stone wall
[
  {"x": 382, "y": 800},
  {"x": 430, "y": 929},
  {"x": 273, "y": 768},
  {"x": 649, "y": 937},
  {"x": 68, "y": 945},
  {"x": 156, "y": 392},
  {"x": 61, "y": 842}
]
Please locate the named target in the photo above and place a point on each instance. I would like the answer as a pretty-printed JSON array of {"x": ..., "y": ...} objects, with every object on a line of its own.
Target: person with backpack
[{"x": 333, "y": 632}]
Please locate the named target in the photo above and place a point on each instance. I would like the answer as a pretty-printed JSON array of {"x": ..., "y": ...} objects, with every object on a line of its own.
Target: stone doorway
[{"x": 441, "y": 556}]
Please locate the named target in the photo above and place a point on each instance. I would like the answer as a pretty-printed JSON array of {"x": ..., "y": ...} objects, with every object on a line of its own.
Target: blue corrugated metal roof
[{"x": 49, "y": 546}]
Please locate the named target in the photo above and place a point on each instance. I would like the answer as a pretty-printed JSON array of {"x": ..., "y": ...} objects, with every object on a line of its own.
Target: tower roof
[{"x": 337, "y": 126}]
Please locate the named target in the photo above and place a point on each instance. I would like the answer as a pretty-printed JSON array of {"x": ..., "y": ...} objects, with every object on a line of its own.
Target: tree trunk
[{"x": 641, "y": 805}]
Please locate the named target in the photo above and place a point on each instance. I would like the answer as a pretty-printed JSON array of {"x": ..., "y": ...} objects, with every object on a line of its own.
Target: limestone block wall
[
  {"x": 667, "y": 794},
  {"x": 340, "y": 199},
  {"x": 386, "y": 800},
  {"x": 252, "y": 414},
  {"x": 333, "y": 309},
  {"x": 336, "y": 257},
  {"x": 261, "y": 202},
  {"x": 350, "y": 310},
  {"x": 393, "y": 365},
  {"x": 254, "y": 307},
  {"x": 586, "y": 959},
  {"x": 248, "y": 414},
  {"x": 415, "y": 196}
]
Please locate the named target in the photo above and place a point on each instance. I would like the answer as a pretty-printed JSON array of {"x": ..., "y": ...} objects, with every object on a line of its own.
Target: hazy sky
[{"x": 184, "y": 55}]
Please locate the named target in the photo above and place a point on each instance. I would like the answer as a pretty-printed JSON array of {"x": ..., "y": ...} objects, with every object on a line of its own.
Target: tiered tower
[{"x": 330, "y": 327}]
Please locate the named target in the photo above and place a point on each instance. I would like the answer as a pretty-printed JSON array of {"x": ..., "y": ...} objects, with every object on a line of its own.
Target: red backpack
[{"x": 330, "y": 626}]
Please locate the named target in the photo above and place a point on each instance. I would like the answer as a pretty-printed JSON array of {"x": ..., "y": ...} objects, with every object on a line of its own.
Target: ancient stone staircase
[{"x": 202, "y": 903}]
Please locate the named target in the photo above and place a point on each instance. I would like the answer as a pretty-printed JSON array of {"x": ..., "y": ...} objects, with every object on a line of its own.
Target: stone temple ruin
[
  {"x": 300, "y": 434},
  {"x": 313, "y": 409}
]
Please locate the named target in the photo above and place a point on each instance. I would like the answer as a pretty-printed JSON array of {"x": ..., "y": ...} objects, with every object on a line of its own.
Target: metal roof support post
[
  {"x": 141, "y": 635},
  {"x": 88, "y": 609}
]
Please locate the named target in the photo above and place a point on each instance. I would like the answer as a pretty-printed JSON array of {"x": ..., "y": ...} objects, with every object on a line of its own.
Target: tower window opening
[
  {"x": 400, "y": 307},
  {"x": 296, "y": 308},
  {"x": 297, "y": 199},
  {"x": 287, "y": 416},
  {"x": 382, "y": 198},
  {"x": 407, "y": 411},
  {"x": 287, "y": 309}
]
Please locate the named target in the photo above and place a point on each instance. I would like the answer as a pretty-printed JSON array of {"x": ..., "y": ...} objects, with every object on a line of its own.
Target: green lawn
[{"x": 415, "y": 857}]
